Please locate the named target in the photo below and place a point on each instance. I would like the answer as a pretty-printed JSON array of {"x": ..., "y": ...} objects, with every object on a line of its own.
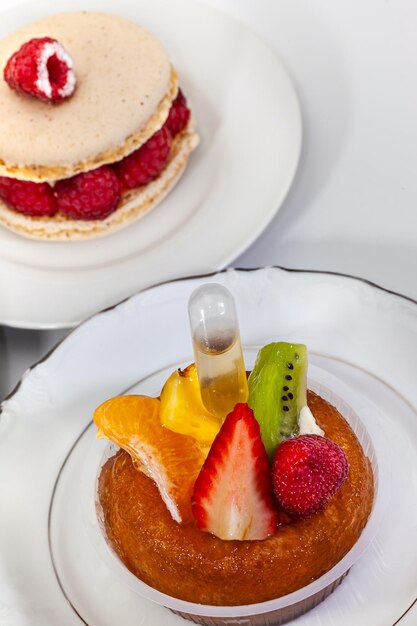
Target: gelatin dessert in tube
[
  {"x": 217, "y": 349},
  {"x": 94, "y": 128},
  {"x": 232, "y": 505}
]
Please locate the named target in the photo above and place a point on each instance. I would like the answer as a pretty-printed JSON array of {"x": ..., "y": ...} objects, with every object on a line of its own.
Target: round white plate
[
  {"x": 250, "y": 127},
  {"x": 362, "y": 335}
]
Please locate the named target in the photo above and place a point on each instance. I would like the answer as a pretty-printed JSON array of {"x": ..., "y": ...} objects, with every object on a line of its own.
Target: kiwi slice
[{"x": 278, "y": 391}]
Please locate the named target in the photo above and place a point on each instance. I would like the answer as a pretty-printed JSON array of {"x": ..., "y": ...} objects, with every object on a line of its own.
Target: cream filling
[
  {"x": 43, "y": 83},
  {"x": 307, "y": 423}
]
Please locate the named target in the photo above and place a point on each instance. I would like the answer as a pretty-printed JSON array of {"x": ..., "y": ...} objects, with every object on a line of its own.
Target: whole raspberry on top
[
  {"x": 41, "y": 68},
  {"x": 179, "y": 114},
  {"x": 306, "y": 472},
  {"x": 144, "y": 164},
  {"x": 34, "y": 199},
  {"x": 89, "y": 196}
]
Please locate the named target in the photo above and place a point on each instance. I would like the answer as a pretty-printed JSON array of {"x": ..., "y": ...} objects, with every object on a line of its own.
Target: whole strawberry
[
  {"x": 179, "y": 115},
  {"x": 144, "y": 164},
  {"x": 89, "y": 196},
  {"x": 41, "y": 68},
  {"x": 306, "y": 472},
  {"x": 33, "y": 199}
]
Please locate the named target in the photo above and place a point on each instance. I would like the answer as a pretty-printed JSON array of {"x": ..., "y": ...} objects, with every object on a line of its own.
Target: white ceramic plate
[
  {"x": 363, "y": 336},
  {"x": 250, "y": 126},
  {"x": 74, "y": 530}
]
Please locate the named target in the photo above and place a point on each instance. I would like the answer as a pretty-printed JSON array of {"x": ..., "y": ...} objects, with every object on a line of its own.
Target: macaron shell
[{"x": 125, "y": 86}]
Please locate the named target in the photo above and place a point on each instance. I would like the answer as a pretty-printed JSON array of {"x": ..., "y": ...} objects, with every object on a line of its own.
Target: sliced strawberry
[{"x": 233, "y": 493}]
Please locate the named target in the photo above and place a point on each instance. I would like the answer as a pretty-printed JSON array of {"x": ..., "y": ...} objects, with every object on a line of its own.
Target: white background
[{"x": 353, "y": 204}]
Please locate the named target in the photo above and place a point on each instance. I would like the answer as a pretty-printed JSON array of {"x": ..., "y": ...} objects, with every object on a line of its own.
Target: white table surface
[{"x": 353, "y": 204}]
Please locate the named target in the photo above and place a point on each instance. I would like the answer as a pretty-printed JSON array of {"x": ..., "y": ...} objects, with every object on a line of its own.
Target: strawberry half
[{"x": 233, "y": 493}]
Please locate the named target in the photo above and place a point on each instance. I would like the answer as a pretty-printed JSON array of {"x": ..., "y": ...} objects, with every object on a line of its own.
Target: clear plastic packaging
[
  {"x": 218, "y": 351},
  {"x": 283, "y": 609}
]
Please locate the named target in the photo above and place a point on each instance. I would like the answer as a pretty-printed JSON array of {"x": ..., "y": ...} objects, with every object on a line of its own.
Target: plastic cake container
[{"x": 271, "y": 612}]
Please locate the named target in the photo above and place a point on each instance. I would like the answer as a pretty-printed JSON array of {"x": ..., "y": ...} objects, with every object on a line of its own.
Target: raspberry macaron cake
[{"x": 94, "y": 128}]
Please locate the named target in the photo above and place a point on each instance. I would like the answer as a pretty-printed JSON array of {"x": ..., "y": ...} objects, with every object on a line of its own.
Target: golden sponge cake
[{"x": 186, "y": 563}]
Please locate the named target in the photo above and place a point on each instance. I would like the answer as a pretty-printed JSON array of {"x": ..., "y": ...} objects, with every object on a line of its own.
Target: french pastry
[
  {"x": 94, "y": 129},
  {"x": 240, "y": 510}
]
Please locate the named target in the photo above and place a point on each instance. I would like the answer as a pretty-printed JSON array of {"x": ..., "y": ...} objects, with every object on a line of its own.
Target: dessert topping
[
  {"x": 233, "y": 494},
  {"x": 41, "y": 68},
  {"x": 179, "y": 114},
  {"x": 34, "y": 199},
  {"x": 307, "y": 424},
  {"x": 91, "y": 195},
  {"x": 306, "y": 472},
  {"x": 217, "y": 349},
  {"x": 278, "y": 391},
  {"x": 182, "y": 409},
  {"x": 144, "y": 164},
  {"x": 173, "y": 461}
]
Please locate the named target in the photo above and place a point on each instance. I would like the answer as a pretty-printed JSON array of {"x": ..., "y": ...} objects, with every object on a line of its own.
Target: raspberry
[
  {"x": 41, "y": 68},
  {"x": 306, "y": 472},
  {"x": 179, "y": 115},
  {"x": 34, "y": 199},
  {"x": 143, "y": 165},
  {"x": 89, "y": 196}
]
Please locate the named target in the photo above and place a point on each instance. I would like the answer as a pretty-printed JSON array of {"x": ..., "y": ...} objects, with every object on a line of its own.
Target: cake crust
[{"x": 186, "y": 563}]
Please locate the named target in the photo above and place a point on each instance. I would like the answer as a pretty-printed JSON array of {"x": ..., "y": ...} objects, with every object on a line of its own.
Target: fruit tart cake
[
  {"x": 94, "y": 128},
  {"x": 238, "y": 509}
]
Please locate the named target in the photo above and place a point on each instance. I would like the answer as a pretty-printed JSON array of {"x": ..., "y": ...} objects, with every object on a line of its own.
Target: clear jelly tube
[{"x": 217, "y": 348}]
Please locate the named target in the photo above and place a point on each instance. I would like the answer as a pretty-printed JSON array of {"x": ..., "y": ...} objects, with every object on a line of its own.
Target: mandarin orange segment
[
  {"x": 182, "y": 409},
  {"x": 172, "y": 460}
]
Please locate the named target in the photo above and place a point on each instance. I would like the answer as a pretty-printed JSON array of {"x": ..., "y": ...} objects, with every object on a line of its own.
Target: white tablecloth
[{"x": 353, "y": 205}]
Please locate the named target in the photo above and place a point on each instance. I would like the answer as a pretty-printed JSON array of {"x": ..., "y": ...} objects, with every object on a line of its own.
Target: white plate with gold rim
[
  {"x": 250, "y": 127},
  {"x": 360, "y": 334}
]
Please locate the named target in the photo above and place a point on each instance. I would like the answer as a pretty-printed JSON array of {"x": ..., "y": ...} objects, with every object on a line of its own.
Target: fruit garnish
[
  {"x": 173, "y": 461},
  {"x": 144, "y": 164},
  {"x": 182, "y": 409},
  {"x": 34, "y": 199},
  {"x": 233, "y": 494},
  {"x": 179, "y": 114},
  {"x": 91, "y": 195},
  {"x": 41, "y": 68},
  {"x": 306, "y": 472},
  {"x": 278, "y": 391}
]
